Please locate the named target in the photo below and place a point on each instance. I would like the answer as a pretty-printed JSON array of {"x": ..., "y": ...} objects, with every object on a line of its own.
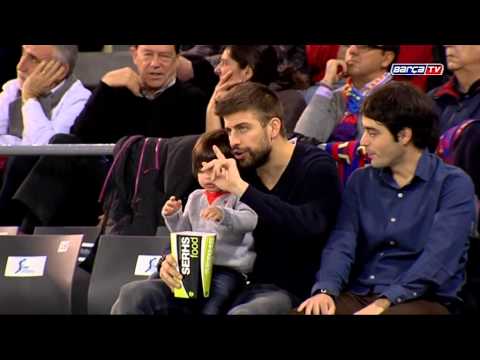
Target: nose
[
  {"x": 364, "y": 139},
  {"x": 155, "y": 62},
  {"x": 22, "y": 64},
  {"x": 234, "y": 140},
  {"x": 352, "y": 49},
  {"x": 218, "y": 70}
]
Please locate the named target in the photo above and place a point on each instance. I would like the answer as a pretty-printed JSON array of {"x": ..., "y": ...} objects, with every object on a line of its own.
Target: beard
[{"x": 256, "y": 159}]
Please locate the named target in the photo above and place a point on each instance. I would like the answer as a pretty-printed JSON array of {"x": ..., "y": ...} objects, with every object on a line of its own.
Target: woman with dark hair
[{"x": 238, "y": 64}]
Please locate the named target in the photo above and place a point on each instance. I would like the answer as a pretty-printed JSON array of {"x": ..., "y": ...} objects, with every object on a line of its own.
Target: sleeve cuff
[
  {"x": 172, "y": 220},
  {"x": 324, "y": 91},
  {"x": 398, "y": 294},
  {"x": 330, "y": 287}
]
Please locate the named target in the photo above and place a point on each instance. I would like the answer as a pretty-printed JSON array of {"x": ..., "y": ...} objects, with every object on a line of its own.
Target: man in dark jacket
[
  {"x": 148, "y": 101},
  {"x": 459, "y": 98}
]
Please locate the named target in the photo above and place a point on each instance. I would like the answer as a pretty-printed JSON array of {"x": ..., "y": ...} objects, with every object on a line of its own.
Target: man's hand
[
  {"x": 43, "y": 79},
  {"x": 169, "y": 273},
  {"x": 184, "y": 69},
  {"x": 124, "y": 77},
  {"x": 225, "y": 174},
  {"x": 171, "y": 206},
  {"x": 320, "y": 304},
  {"x": 212, "y": 213},
  {"x": 375, "y": 308},
  {"x": 332, "y": 73},
  {"x": 225, "y": 83}
]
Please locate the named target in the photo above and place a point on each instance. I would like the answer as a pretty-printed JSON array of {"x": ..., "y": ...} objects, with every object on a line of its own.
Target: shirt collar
[
  {"x": 159, "y": 91},
  {"x": 57, "y": 87},
  {"x": 451, "y": 88},
  {"x": 424, "y": 171}
]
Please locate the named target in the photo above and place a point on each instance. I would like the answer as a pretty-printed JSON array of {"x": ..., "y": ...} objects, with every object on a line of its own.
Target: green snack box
[{"x": 194, "y": 252}]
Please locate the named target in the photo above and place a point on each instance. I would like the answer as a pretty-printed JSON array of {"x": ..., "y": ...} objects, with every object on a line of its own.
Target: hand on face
[
  {"x": 335, "y": 70},
  {"x": 124, "y": 77},
  {"x": 43, "y": 79},
  {"x": 226, "y": 83}
]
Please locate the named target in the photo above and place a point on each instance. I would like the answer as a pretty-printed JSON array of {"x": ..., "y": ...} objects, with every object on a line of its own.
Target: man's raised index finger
[{"x": 218, "y": 153}]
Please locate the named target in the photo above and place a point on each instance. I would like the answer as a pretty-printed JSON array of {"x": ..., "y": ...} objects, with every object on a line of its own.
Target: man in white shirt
[{"x": 44, "y": 100}]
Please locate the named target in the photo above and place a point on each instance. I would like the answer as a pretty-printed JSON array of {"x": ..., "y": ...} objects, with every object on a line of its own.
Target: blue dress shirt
[{"x": 401, "y": 243}]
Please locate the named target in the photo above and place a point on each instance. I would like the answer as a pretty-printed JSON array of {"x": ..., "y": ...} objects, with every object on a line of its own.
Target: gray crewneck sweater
[{"x": 234, "y": 233}]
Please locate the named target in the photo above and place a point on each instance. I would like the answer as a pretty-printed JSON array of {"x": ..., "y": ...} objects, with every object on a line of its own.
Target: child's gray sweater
[{"x": 234, "y": 233}]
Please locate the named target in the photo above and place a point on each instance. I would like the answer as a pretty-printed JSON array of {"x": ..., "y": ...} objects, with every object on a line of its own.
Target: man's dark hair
[
  {"x": 203, "y": 149},
  {"x": 399, "y": 105},
  {"x": 262, "y": 59},
  {"x": 250, "y": 96}
]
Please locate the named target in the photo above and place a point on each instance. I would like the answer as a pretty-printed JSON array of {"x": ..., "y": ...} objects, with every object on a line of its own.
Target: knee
[
  {"x": 64, "y": 139},
  {"x": 243, "y": 309},
  {"x": 133, "y": 297}
]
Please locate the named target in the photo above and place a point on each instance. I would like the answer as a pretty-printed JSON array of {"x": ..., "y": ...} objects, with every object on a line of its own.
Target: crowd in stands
[{"x": 334, "y": 186}]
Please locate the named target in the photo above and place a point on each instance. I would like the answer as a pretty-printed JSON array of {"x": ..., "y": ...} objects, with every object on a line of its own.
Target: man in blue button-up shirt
[{"x": 401, "y": 239}]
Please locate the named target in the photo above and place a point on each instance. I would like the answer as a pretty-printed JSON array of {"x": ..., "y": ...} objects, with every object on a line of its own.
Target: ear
[
  {"x": 247, "y": 73},
  {"x": 276, "y": 127},
  {"x": 388, "y": 59},
  {"x": 133, "y": 52},
  {"x": 67, "y": 69},
  {"x": 405, "y": 136}
]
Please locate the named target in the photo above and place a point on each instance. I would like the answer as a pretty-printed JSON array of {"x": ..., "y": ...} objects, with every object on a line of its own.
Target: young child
[{"x": 213, "y": 211}]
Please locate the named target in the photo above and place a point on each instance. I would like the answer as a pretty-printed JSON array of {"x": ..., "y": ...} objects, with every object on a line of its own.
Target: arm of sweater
[
  {"x": 177, "y": 222},
  {"x": 99, "y": 116},
  {"x": 320, "y": 116},
  {"x": 180, "y": 221},
  {"x": 241, "y": 219},
  {"x": 320, "y": 198}
]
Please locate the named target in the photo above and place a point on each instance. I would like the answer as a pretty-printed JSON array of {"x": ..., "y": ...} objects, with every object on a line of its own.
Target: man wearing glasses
[{"x": 333, "y": 114}]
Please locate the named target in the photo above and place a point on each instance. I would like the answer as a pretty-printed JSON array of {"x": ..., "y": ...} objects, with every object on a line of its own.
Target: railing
[{"x": 58, "y": 149}]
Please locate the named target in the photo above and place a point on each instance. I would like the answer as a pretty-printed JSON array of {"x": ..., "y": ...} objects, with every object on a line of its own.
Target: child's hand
[
  {"x": 212, "y": 213},
  {"x": 171, "y": 206}
]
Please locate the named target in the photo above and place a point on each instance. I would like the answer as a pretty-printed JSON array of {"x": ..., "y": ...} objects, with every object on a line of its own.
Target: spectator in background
[
  {"x": 257, "y": 63},
  {"x": 333, "y": 115},
  {"x": 44, "y": 100},
  {"x": 148, "y": 100},
  {"x": 317, "y": 58},
  {"x": 238, "y": 64},
  {"x": 459, "y": 99}
]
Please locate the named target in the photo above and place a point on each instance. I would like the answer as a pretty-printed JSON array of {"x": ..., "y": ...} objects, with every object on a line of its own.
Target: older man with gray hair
[{"x": 44, "y": 100}]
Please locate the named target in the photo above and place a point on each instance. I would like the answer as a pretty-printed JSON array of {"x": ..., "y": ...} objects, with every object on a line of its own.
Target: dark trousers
[
  {"x": 16, "y": 170},
  {"x": 348, "y": 304},
  {"x": 154, "y": 297},
  {"x": 63, "y": 190}
]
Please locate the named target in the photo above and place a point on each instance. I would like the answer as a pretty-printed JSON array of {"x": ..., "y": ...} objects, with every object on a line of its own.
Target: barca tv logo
[{"x": 417, "y": 69}]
